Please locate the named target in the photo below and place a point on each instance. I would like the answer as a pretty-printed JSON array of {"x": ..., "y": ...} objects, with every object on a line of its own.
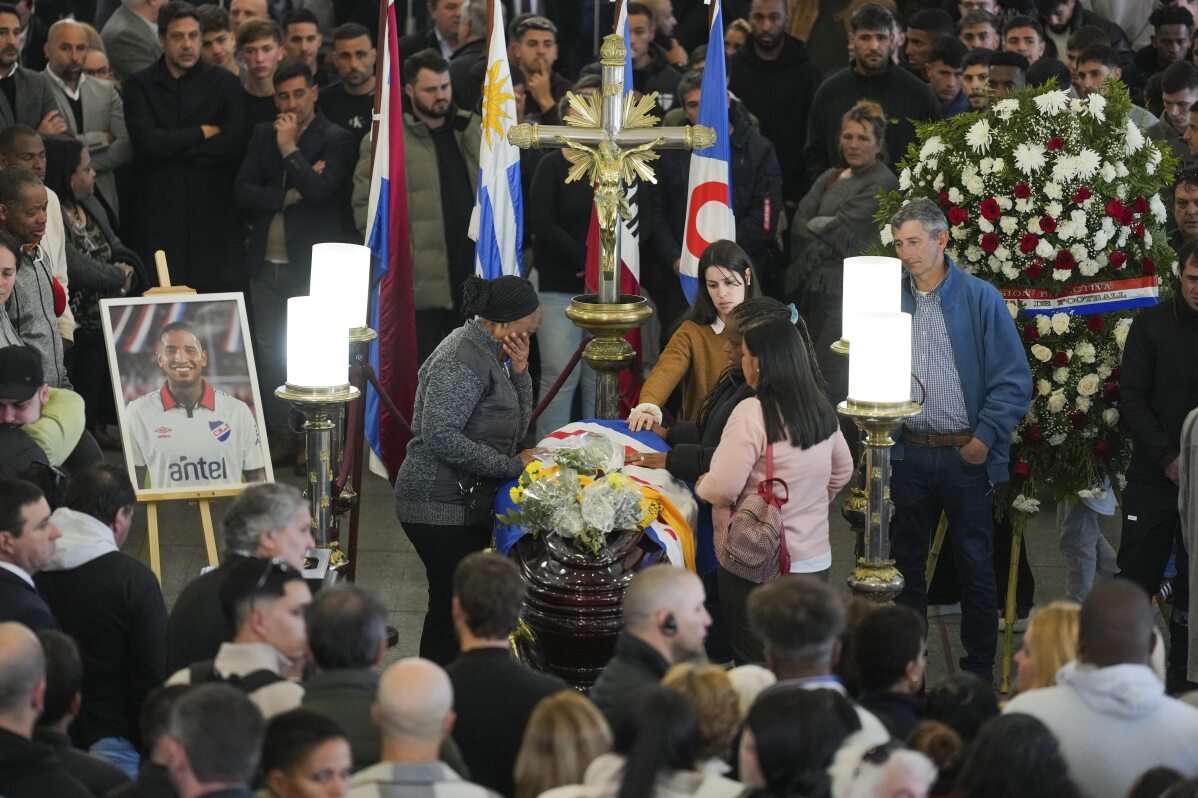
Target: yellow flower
[
  {"x": 517, "y": 494},
  {"x": 651, "y": 510}
]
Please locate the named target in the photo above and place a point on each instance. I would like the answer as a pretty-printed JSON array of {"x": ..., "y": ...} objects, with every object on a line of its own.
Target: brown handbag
[{"x": 753, "y": 546}]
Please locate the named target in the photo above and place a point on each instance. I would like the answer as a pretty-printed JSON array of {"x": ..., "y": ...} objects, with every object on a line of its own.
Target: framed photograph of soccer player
[{"x": 187, "y": 393}]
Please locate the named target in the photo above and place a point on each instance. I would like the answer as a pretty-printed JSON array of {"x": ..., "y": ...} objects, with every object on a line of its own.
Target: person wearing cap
[
  {"x": 473, "y": 405},
  {"x": 33, "y": 413},
  {"x": 27, "y": 535}
]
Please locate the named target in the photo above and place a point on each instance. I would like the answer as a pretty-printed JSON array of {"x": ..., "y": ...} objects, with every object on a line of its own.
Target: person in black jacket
[
  {"x": 493, "y": 693},
  {"x": 64, "y": 675},
  {"x": 890, "y": 652},
  {"x": 268, "y": 520},
  {"x": 756, "y": 185},
  {"x": 651, "y": 72},
  {"x": 1063, "y": 17},
  {"x": 872, "y": 76},
  {"x": 294, "y": 185},
  {"x": 1157, "y": 390},
  {"x": 110, "y": 603},
  {"x": 187, "y": 123},
  {"x": 665, "y": 621},
  {"x": 777, "y": 82},
  {"x": 27, "y": 536}
]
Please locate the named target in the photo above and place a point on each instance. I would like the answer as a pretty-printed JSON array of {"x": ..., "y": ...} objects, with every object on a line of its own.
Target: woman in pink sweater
[{"x": 791, "y": 412}]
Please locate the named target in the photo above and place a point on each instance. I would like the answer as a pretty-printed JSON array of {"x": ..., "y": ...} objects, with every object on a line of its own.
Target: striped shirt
[
  {"x": 933, "y": 364},
  {"x": 414, "y": 780}
]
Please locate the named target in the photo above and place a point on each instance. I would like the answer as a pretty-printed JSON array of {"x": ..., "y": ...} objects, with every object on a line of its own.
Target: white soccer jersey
[{"x": 210, "y": 445}]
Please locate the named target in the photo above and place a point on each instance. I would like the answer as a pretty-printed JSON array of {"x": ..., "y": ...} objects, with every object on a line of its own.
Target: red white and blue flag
[
  {"x": 709, "y": 195},
  {"x": 392, "y": 300}
]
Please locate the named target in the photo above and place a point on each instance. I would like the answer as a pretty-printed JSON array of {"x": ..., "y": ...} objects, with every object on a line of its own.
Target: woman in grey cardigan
[
  {"x": 836, "y": 221},
  {"x": 473, "y": 404}
]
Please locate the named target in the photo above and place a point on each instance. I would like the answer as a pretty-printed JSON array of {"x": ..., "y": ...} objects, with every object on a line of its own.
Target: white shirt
[
  {"x": 72, "y": 93},
  {"x": 212, "y": 444}
]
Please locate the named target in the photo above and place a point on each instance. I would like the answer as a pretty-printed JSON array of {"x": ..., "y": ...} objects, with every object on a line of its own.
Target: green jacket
[
  {"x": 60, "y": 426},
  {"x": 430, "y": 266}
]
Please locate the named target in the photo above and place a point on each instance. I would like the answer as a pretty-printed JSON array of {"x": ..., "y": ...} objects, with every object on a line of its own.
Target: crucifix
[{"x": 610, "y": 139}]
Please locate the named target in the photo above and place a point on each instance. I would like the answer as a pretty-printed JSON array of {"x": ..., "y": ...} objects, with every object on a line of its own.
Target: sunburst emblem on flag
[{"x": 494, "y": 98}]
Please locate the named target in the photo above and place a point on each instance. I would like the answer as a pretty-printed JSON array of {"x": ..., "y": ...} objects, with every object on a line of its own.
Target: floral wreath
[{"x": 1055, "y": 201}]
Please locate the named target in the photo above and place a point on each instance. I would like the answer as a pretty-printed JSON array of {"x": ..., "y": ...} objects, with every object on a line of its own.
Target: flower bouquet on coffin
[{"x": 1055, "y": 201}]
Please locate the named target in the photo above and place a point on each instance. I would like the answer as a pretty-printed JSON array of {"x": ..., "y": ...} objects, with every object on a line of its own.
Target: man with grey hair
[
  {"x": 267, "y": 520},
  {"x": 976, "y": 386},
  {"x": 131, "y": 37},
  {"x": 800, "y": 620},
  {"x": 468, "y": 67},
  {"x": 213, "y": 742},
  {"x": 26, "y": 768},
  {"x": 414, "y": 712},
  {"x": 665, "y": 622}
]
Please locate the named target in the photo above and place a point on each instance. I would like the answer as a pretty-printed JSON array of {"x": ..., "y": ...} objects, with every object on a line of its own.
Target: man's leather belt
[{"x": 936, "y": 440}]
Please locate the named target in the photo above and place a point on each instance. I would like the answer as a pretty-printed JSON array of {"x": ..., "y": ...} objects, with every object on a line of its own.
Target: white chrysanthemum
[
  {"x": 954, "y": 195},
  {"x": 1086, "y": 352},
  {"x": 886, "y": 236},
  {"x": 1087, "y": 163},
  {"x": 1108, "y": 226},
  {"x": 1078, "y": 217},
  {"x": 1158, "y": 208},
  {"x": 984, "y": 225},
  {"x": 1004, "y": 203},
  {"x": 938, "y": 183},
  {"x": 1043, "y": 325},
  {"x": 1121, "y": 169},
  {"x": 1053, "y": 191},
  {"x": 1061, "y": 275},
  {"x": 958, "y": 233},
  {"x": 1110, "y": 417},
  {"x": 1052, "y": 102},
  {"x": 1147, "y": 239},
  {"x": 1008, "y": 224},
  {"x": 1121, "y": 328},
  {"x": 1058, "y": 439},
  {"x": 1060, "y": 323},
  {"x": 932, "y": 164},
  {"x": 1089, "y": 268},
  {"x": 1054, "y": 209},
  {"x": 1043, "y": 387},
  {"x": 1010, "y": 272},
  {"x": 1029, "y": 158},
  {"x": 973, "y": 254},
  {"x": 905, "y": 180},
  {"x": 933, "y": 146},
  {"x": 986, "y": 166},
  {"x": 1013, "y": 309},
  {"x": 998, "y": 165},
  {"x": 1002, "y": 253},
  {"x": 1082, "y": 404},
  {"x": 1064, "y": 169},
  {"x": 1023, "y": 205},
  {"x": 1044, "y": 249},
  {"x": 1075, "y": 105},
  {"x": 974, "y": 185},
  {"x": 1122, "y": 240},
  {"x": 978, "y": 138},
  {"x": 1107, "y": 173},
  {"x": 1105, "y": 370},
  {"x": 1024, "y": 504},
  {"x": 1061, "y": 375},
  {"x": 1003, "y": 109},
  {"x": 1097, "y": 106},
  {"x": 1057, "y": 401},
  {"x": 1100, "y": 240},
  {"x": 1079, "y": 252},
  {"x": 1135, "y": 139}
]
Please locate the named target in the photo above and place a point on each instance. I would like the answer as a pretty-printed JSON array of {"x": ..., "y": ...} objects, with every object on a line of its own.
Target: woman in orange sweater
[{"x": 695, "y": 354}]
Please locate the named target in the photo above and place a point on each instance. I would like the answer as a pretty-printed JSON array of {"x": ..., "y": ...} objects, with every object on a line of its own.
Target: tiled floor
[{"x": 388, "y": 565}]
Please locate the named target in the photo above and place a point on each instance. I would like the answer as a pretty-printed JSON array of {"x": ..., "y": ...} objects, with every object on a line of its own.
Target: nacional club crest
[{"x": 220, "y": 430}]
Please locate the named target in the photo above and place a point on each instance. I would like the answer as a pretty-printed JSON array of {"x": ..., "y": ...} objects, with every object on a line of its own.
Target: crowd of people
[{"x": 235, "y": 136}]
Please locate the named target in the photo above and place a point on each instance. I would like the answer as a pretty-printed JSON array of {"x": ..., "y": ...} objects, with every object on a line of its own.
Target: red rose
[
  {"x": 957, "y": 216},
  {"x": 1110, "y": 391},
  {"x": 1060, "y": 360},
  {"x": 943, "y": 198},
  {"x": 1022, "y": 191},
  {"x": 1021, "y": 470},
  {"x": 1127, "y": 218},
  {"x": 990, "y": 242},
  {"x": 1095, "y": 323},
  {"x": 1117, "y": 259},
  {"x": 1030, "y": 333},
  {"x": 1028, "y": 243},
  {"x": 1140, "y": 205},
  {"x": 1064, "y": 260},
  {"x": 1081, "y": 195},
  {"x": 1033, "y": 434},
  {"x": 1114, "y": 209},
  {"x": 1077, "y": 419},
  {"x": 1035, "y": 269},
  {"x": 1138, "y": 230},
  {"x": 1102, "y": 449},
  {"x": 1149, "y": 266},
  {"x": 990, "y": 210},
  {"x": 1055, "y": 143},
  {"x": 1048, "y": 224}
]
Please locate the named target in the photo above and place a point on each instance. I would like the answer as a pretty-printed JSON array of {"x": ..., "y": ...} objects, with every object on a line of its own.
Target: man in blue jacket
[{"x": 967, "y": 354}]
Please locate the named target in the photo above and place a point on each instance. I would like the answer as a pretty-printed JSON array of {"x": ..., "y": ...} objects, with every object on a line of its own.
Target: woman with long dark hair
[
  {"x": 789, "y": 739},
  {"x": 657, "y": 753},
  {"x": 98, "y": 266},
  {"x": 694, "y": 358},
  {"x": 791, "y": 413}
]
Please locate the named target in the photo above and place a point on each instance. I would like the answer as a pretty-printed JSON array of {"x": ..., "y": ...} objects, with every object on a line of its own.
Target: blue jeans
[
  {"x": 119, "y": 752},
  {"x": 558, "y": 339},
  {"x": 925, "y": 483}
]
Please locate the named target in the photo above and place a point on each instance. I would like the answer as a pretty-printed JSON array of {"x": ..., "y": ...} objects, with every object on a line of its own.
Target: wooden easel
[{"x": 202, "y": 497}]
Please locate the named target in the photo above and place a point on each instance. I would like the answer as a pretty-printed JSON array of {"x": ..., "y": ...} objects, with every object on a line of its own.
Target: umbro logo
[{"x": 163, "y": 432}]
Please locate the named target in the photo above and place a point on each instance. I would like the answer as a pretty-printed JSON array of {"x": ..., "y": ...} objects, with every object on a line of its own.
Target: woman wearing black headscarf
[{"x": 473, "y": 404}]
